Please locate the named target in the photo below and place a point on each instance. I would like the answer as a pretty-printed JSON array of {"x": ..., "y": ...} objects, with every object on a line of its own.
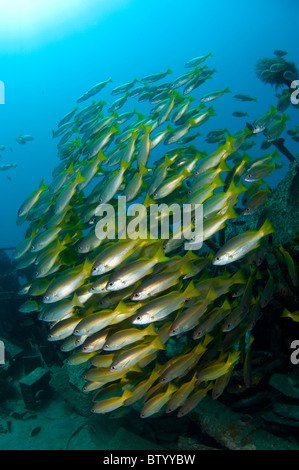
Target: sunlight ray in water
[{"x": 27, "y": 20}]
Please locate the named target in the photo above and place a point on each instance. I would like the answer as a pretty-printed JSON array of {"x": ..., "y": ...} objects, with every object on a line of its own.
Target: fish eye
[
  {"x": 138, "y": 318},
  {"x": 50, "y": 336},
  {"x": 46, "y": 297},
  {"x": 100, "y": 199},
  {"x": 94, "y": 269},
  {"x": 76, "y": 330},
  {"x": 173, "y": 331},
  {"x": 247, "y": 209},
  {"x": 217, "y": 258},
  {"x": 112, "y": 367},
  {"x": 155, "y": 194},
  {"x": 136, "y": 295},
  {"x": 110, "y": 284}
]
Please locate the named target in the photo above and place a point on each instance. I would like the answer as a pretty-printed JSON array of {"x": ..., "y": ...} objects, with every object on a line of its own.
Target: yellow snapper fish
[
  {"x": 163, "y": 306},
  {"x": 181, "y": 395},
  {"x": 128, "y": 336},
  {"x": 182, "y": 364},
  {"x": 193, "y": 401},
  {"x": 63, "y": 328},
  {"x": 96, "y": 321},
  {"x": 155, "y": 403},
  {"x": 217, "y": 368},
  {"x": 65, "y": 196},
  {"x": 130, "y": 357},
  {"x": 110, "y": 404},
  {"x": 237, "y": 247},
  {"x": 133, "y": 272},
  {"x": 31, "y": 200},
  {"x": 67, "y": 282},
  {"x": 141, "y": 388}
]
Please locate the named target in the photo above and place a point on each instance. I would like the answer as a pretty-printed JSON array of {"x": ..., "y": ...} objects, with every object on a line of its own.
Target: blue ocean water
[{"x": 50, "y": 55}]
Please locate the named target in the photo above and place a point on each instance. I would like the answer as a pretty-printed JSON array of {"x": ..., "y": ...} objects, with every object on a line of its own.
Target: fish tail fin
[
  {"x": 134, "y": 135},
  {"x": 193, "y": 123},
  {"x": 207, "y": 339},
  {"x": 121, "y": 307},
  {"x": 211, "y": 111},
  {"x": 101, "y": 156},
  {"x": 124, "y": 165},
  {"x": 231, "y": 213},
  {"x": 77, "y": 302},
  {"x": 171, "y": 388},
  {"x": 127, "y": 394},
  {"x": 42, "y": 186},
  {"x": 226, "y": 305},
  {"x": 285, "y": 313},
  {"x": 233, "y": 356},
  {"x": 66, "y": 240},
  {"x": 157, "y": 344},
  {"x": 267, "y": 228},
  {"x": 185, "y": 172},
  {"x": 167, "y": 161},
  {"x": 275, "y": 154},
  {"x": 199, "y": 349},
  {"x": 142, "y": 169},
  {"x": 160, "y": 255},
  {"x": 148, "y": 201},
  {"x": 246, "y": 158},
  {"x": 79, "y": 178},
  {"x": 190, "y": 256},
  {"x": 191, "y": 291},
  {"x": 186, "y": 269},
  {"x": 150, "y": 330},
  {"x": 87, "y": 265},
  {"x": 218, "y": 181},
  {"x": 234, "y": 189},
  {"x": 239, "y": 277}
]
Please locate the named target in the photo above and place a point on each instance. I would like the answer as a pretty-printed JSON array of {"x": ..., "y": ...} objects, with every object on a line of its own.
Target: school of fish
[{"x": 155, "y": 323}]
